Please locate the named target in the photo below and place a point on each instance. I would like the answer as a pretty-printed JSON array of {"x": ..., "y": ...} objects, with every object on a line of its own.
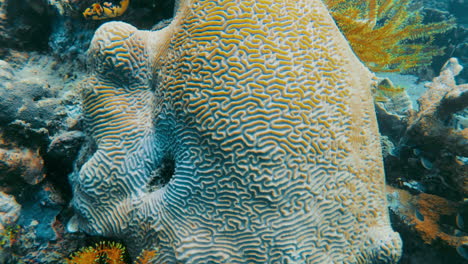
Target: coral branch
[{"x": 442, "y": 99}]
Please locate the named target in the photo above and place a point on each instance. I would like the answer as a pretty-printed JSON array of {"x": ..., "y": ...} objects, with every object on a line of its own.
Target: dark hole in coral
[
  {"x": 61, "y": 156},
  {"x": 37, "y": 98},
  {"x": 86, "y": 152},
  {"x": 163, "y": 173}
]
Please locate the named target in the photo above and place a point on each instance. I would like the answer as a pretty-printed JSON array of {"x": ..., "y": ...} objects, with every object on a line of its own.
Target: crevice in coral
[{"x": 163, "y": 174}]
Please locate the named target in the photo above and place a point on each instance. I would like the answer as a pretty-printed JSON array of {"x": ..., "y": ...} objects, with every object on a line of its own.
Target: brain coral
[{"x": 243, "y": 132}]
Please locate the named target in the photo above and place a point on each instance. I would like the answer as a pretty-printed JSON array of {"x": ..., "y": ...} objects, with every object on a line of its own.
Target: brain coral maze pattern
[{"x": 244, "y": 132}]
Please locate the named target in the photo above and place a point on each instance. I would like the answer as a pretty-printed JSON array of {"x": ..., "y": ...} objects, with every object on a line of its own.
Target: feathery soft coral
[{"x": 388, "y": 35}]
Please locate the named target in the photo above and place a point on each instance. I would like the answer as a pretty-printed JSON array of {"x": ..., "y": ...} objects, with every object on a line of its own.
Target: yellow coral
[
  {"x": 385, "y": 90},
  {"x": 388, "y": 35},
  {"x": 106, "y": 10}
]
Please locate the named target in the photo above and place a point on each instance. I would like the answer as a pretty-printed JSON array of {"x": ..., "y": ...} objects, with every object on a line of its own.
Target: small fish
[
  {"x": 426, "y": 163},
  {"x": 418, "y": 215},
  {"x": 105, "y": 10},
  {"x": 459, "y": 221}
]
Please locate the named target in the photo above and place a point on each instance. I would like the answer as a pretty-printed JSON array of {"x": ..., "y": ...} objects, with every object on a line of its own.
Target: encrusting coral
[
  {"x": 22, "y": 162},
  {"x": 388, "y": 35},
  {"x": 244, "y": 131},
  {"x": 425, "y": 213},
  {"x": 428, "y": 161}
]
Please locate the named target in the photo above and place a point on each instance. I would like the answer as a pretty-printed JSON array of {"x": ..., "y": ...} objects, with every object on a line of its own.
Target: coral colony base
[{"x": 243, "y": 132}]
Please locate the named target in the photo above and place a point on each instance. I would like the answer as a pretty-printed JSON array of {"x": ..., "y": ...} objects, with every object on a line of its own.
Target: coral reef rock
[
  {"x": 39, "y": 141},
  {"x": 9, "y": 210},
  {"x": 433, "y": 219},
  {"x": 24, "y": 24},
  {"x": 392, "y": 105},
  {"x": 71, "y": 33},
  {"x": 430, "y": 128},
  {"x": 428, "y": 168},
  {"x": 26, "y": 163},
  {"x": 9, "y": 213},
  {"x": 244, "y": 131}
]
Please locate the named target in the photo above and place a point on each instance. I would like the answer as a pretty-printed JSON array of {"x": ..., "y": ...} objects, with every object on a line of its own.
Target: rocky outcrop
[
  {"x": 430, "y": 224},
  {"x": 39, "y": 142},
  {"x": 9, "y": 213},
  {"x": 431, "y": 129},
  {"x": 427, "y": 164}
]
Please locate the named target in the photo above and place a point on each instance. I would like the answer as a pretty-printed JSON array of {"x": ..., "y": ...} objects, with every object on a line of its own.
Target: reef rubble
[
  {"x": 39, "y": 141},
  {"x": 428, "y": 169}
]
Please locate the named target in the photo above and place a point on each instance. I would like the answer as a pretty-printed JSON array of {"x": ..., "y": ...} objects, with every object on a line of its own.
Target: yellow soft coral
[{"x": 388, "y": 35}]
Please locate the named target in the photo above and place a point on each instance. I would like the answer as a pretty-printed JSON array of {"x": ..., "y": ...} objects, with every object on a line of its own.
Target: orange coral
[
  {"x": 388, "y": 35},
  {"x": 146, "y": 257},
  {"x": 423, "y": 212},
  {"x": 103, "y": 252},
  {"x": 108, "y": 253}
]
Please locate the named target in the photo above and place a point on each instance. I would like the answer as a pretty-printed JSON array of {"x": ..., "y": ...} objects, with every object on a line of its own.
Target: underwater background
[{"x": 417, "y": 48}]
